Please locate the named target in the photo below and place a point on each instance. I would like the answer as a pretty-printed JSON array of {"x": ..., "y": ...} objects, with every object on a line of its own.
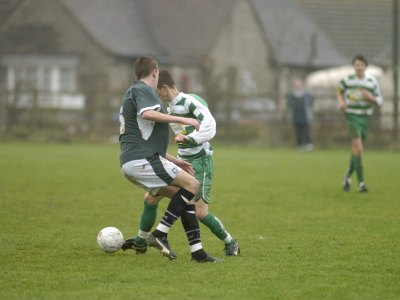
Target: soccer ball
[{"x": 110, "y": 239}]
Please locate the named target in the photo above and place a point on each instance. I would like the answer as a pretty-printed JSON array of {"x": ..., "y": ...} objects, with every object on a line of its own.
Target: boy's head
[
  {"x": 361, "y": 58},
  {"x": 165, "y": 78},
  {"x": 360, "y": 64},
  {"x": 145, "y": 66},
  {"x": 165, "y": 85}
]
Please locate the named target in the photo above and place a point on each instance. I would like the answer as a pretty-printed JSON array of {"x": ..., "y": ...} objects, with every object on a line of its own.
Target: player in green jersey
[
  {"x": 193, "y": 147},
  {"x": 357, "y": 94},
  {"x": 144, "y": 162}
]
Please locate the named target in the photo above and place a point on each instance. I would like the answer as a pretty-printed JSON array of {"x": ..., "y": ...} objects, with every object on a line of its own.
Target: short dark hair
[
  {"x": 360, "y": 58},
  {"x": 144, "y": 66},
  {"x": 165, "y": 77}
]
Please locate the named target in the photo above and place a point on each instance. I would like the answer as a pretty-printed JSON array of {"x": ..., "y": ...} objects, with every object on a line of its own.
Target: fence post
[{"x": 395, "y": 71}]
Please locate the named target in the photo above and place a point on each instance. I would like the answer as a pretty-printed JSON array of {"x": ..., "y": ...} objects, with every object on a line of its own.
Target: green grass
[{"x": 301, "y": 236}]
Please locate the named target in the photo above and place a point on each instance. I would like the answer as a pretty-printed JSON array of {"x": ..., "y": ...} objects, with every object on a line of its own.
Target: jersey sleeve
[
  {"x": 146, "y": 99},
  {"x": 341, "y": 86},
  {"x": 208, "y": 125},
  {"x": 377, "y": 93}
]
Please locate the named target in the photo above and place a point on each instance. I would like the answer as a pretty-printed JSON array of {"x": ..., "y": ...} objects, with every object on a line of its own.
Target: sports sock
[
  {"x": 175, "y": 208},
  {"x": 192, "y": 230},
  {"x": 350, "y": 170},
  {"x": 147, "y": 220},
  {"x": 217, "y": 227},
  {"x": 359, "y": 168},
  {"x": 148, "y": 217},
  {"x": 140, "y": 239}
]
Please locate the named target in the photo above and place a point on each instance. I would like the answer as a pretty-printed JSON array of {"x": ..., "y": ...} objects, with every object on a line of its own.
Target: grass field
[{"x": 301, "y": 236}]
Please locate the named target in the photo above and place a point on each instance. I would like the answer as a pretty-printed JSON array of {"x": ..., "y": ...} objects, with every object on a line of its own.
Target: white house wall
[{"x": 242, "y": 45}]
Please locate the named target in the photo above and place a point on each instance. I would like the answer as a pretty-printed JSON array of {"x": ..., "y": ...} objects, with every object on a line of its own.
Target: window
[
  {"x": 31, "y": 78},
  {"x": 67, "y": 79},
  {"x": 42, "y": 73},
  {"x": 46, "y": 79},
  {"x": 50, "y": 78}
]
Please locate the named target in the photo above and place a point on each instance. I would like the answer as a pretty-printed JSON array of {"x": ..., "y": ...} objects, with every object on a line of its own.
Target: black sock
[
  {"x": 175, "y": 208},
  {"x": 192, "y": 230}
]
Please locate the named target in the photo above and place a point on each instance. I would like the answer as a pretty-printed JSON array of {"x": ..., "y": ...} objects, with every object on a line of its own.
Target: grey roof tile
[
  {"x": 294, "y": 38},
  {"x": 356, "y": 26},
  {"x": 165, "y": 29}
]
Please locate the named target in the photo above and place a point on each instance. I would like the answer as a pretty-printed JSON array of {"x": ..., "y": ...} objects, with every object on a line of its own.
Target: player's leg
[
  {"x": 347, "y": 176},
  {"x": 357, "y": 149},
  {"x": 361, "y": 124},
  {"x": 358, "y": 130},
  {"x": 192, "y": 229},
  {"x": 204, "y": 169},
  {"x": 155, "y": 174},
  {"x": 142, "y": 174},
  {"x": 149, "y": 215},
  {"x": 181, "y": 189},
  {"x": 189, "y": 222},
  {"x": 147, "y": 220},
  {"x": 354, "y": 134},
  {"x": 350, "y": 168},
  {"x": 187, "y": 188},
  {"x": 217, "y": 228}
]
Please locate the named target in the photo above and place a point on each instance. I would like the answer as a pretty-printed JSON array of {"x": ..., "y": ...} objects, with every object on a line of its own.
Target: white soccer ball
[{"x": 110, "y": 239}]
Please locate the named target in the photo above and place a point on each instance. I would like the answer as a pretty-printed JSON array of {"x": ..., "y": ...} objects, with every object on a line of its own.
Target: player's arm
[
  {"x": 375, "y": 97},
  {"x": 156, "y": 116},
  {"x": 149, "y": 109},
  {"x": 340, "y": 96},
  {"x": 207, "y": 127},
  {"x": 369, "y": 96},
  {"x": 378, "y": 95}
]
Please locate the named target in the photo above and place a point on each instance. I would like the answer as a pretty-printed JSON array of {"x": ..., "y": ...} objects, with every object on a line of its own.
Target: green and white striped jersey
[
  {"x": 351, "y": 87},
  {"x": 193, "y": 106}
]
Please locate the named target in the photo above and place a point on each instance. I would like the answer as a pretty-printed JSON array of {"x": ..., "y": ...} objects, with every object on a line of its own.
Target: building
[{"x": 71, "y": 60}]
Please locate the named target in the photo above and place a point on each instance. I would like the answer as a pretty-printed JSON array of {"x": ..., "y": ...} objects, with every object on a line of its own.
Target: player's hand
[
  {"x": 367, "y": 95},
  {"x": 342, "y": 106},
  {"x": 184, "y": 165},
  {"x": 182, "y": 139},
  {"x": 191, "y": 122}
]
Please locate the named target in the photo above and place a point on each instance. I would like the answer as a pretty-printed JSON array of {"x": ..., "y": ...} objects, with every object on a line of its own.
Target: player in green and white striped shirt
[
  {"x": 357, "y": 94},
  {"x": 193, "y": 147}
]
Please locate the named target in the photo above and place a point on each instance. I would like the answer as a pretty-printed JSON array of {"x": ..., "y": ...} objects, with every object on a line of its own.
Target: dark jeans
[{"x": 303, "y": 136}]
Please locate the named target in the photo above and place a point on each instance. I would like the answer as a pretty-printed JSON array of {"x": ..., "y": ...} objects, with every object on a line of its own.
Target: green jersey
[
  {"x": 193, "y": 106},
  {"x": 351, "y": 87},
  {"x": 140, "y": 138}
]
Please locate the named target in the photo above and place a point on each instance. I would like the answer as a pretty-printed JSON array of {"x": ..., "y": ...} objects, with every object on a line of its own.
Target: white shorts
[{"x": 151, "y": 173}]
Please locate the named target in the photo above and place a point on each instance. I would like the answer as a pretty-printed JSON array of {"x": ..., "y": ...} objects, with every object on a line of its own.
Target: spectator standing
[{"x": 300, "y": 106}]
